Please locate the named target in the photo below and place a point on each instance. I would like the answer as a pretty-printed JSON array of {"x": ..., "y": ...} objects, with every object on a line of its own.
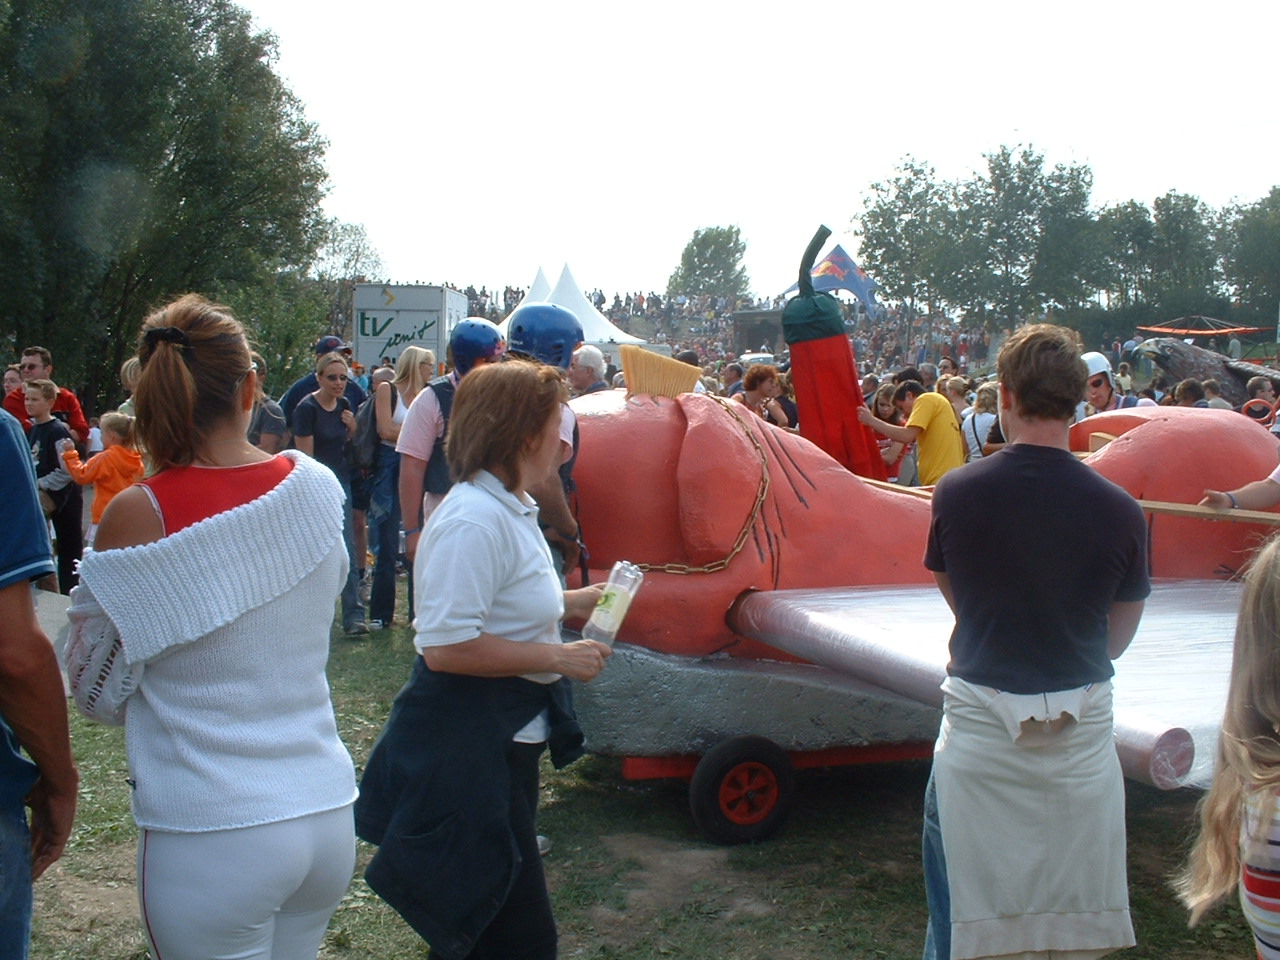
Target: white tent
[
  {"x": 596, "y": 327},
  {"x": 539, "y": 290}
]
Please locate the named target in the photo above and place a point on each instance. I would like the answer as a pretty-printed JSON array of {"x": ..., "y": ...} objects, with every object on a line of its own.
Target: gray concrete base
[{"x": 653, "y": 704}]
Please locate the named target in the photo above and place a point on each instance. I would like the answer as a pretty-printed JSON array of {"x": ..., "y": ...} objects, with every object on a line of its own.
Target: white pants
[{"x": 254, "y": 893}]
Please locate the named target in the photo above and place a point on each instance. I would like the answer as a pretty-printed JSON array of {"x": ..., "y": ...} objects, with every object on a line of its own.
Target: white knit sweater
[{"x": 232, "y": 724}]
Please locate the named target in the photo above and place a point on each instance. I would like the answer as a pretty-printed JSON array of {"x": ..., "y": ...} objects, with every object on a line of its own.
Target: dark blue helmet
[
  {"x": 545, "y": 331},
  {"x": 472, "y": 339}
]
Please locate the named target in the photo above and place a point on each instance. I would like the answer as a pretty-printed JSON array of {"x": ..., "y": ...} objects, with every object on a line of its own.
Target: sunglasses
[
  {"x": 335, "y": 377},
  {"x": 1097, "y": 382},
  {"x": 32, "y": 366}
]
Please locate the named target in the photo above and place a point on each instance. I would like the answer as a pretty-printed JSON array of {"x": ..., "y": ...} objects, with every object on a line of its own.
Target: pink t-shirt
[{"x": 424, "y": 424}]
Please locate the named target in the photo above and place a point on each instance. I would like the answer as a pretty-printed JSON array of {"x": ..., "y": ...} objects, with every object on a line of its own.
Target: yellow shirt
[{"x": 940, "y": 443}]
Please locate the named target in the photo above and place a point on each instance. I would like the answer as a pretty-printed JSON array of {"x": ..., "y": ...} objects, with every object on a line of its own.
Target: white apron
[{"x": 1031, "y": 805}]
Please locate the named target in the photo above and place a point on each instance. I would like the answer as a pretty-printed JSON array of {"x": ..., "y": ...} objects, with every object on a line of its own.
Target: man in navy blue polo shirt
[{"x": 33, "y": 710}]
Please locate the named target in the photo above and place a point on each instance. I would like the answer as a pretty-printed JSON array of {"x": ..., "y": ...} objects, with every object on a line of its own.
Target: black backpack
[{"x": 362, "y": 448}]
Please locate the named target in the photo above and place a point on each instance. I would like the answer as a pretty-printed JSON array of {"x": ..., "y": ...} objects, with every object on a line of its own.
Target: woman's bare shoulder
[{"x": 129, "y": 521}]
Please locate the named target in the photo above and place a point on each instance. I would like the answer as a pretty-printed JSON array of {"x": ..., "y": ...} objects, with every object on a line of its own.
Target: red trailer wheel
[{"x": 741, "y": 790}]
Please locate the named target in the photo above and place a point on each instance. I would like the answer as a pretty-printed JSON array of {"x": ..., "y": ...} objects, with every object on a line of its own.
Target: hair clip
[{"x": 166, "y": 335}]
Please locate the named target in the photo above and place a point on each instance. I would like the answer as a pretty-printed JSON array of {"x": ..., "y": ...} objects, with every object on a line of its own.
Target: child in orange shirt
[{"x": 118, "y": 466}]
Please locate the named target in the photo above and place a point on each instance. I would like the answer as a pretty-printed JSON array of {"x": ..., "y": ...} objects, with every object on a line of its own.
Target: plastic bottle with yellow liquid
[{"x": 606, "y": 619}]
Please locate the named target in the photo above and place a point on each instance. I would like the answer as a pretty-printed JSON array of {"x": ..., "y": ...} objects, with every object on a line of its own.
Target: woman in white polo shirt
[{"x": 450, "y": 790}]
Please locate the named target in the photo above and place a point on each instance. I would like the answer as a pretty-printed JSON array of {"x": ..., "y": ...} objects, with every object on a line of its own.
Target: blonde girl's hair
[
  {"x": 409, "y": 379},
  {"x": 987, "y": 398},
  {"x": 129, "y": 371},
  {"x": 957, "y": 387},
  {"x": 121, "y": 424},
  {"x": 1248, "y": 760},
  {"x": 325, "y": 359}
]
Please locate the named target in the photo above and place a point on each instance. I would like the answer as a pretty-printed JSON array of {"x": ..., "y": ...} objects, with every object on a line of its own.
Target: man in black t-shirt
[{"x": 1043, "y": 562}]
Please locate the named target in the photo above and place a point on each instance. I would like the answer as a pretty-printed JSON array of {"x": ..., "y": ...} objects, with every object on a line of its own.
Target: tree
[
  {"x": 286, "y": 310},
  {"x": 1183, "y": 255},
  {"x": 1029, "y": 228},
  {"x": 1020, "y": 241},
  {"x": 284, "y": 313},
  {"x": 908, "y": 236},
  {"x": 1126, "y": 236},
  {"x": 712, "y": 264},
  {"x": 347, "y": 257},
  {"x": 1003, "y": 244},
  {"x": 147, "y": 149},
  {"x": 1069, "y": 256},
  {"x": 1251, "y": 255}
]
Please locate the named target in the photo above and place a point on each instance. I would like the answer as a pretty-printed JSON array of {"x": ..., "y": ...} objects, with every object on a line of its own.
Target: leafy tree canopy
[
  {"x": 712, "y": 263},
  {"x": 285, "y": 310},
  {"x": 1020, "y": 240},
  {"x": 1250, "y": 243},
  {"x": 147, "y": 148}
]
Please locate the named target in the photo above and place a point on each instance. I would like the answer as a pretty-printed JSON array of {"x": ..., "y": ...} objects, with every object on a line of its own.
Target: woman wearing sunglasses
[{"x": 322, "y": 424}]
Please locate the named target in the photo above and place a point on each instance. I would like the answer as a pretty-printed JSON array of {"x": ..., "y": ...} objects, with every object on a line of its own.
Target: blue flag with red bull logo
[{"x": 837, "y": 271}]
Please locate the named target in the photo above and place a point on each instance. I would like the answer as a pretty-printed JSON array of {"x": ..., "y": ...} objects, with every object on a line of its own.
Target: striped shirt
[{"x": 1260, "y": 872}]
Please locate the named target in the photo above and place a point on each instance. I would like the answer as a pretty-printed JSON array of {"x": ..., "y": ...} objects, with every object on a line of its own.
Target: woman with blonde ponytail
[
  {"x": 202, "y": 624},
  {"x": 415, "y": 368},
  {"x": 1239, "y": 841}
]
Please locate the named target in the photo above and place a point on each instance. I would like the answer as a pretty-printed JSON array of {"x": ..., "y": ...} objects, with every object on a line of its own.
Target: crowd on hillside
[{"x": 896, "y": 337}]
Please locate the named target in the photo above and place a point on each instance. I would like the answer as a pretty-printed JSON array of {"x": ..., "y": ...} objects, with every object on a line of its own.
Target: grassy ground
[{"x": 631, "y": 879}]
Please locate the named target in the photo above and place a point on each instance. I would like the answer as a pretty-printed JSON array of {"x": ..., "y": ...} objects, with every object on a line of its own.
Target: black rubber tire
[{"x": 741, "y": 791}]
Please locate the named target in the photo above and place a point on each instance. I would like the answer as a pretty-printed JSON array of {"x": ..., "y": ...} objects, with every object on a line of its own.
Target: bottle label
[{"x": 610, "y": 609}]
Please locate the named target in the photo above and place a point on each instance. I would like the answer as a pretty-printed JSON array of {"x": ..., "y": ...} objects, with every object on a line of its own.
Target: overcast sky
[{"x": 478, "y": 141}]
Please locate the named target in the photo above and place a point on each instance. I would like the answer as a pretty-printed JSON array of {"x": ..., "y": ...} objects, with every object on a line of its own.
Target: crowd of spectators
[{"x": 895, "y": 337}]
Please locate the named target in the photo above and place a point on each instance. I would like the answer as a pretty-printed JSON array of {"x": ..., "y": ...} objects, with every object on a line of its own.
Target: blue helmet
[
  {"x": 472, "y": 339},
  {"x": 545, "y": 331}
]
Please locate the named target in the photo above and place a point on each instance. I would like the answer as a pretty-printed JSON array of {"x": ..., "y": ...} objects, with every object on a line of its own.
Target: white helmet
[{"x": 1095, "y": 363}]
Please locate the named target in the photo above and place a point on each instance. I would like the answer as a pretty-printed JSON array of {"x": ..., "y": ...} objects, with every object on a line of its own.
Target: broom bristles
[{"x": 652, "y": 373}]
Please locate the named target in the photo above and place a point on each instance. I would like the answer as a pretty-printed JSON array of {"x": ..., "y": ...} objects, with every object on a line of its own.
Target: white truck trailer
[{"x": 389, "y": 317}]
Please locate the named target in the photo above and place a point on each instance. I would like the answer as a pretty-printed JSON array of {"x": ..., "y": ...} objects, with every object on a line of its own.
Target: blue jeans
[
  {"x": 352, "y": 611},
  {"x": 937, "y": 938},
  {"x": 384, "y": 534},
  {"x": 15, "y": 884}
]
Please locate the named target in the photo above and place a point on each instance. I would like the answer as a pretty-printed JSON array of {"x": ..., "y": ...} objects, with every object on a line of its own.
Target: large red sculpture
[
  {"x": 1172, "y": 454},
  {"x": 717, "y": 503}
]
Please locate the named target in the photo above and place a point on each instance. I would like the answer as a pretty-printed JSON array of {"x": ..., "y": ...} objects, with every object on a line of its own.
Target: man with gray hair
[
  {"x": 733, "y": 374},
  {"x": 929, "y": 376},
  {"x": 586, "y": 372}
]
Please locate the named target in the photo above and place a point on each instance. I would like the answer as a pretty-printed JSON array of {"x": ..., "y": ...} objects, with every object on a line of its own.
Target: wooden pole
[{"x": 1190, "y": 510}]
